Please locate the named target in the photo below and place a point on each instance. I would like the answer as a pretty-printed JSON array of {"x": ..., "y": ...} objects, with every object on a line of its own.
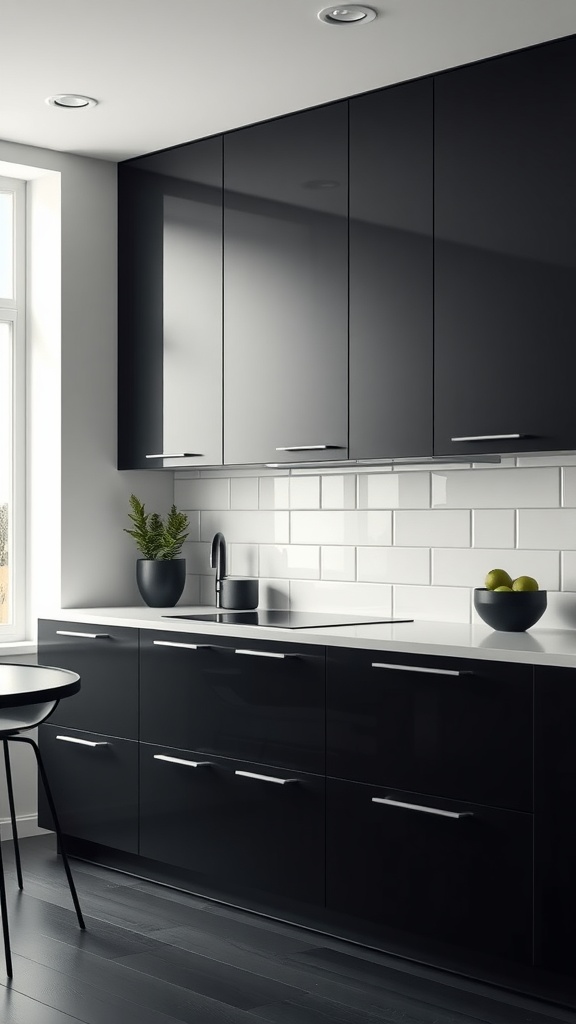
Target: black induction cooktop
[{"x": 287, "y": 619}]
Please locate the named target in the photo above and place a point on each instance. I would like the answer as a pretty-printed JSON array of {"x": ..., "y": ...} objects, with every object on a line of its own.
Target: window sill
[{"x": 18, "y": 647}]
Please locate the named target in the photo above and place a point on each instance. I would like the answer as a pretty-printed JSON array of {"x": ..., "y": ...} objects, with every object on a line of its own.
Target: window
[{"x": 12, "y": 410}]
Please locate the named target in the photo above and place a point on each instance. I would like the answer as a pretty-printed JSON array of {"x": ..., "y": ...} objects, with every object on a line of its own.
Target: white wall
[{"x": 408, "y": 542}]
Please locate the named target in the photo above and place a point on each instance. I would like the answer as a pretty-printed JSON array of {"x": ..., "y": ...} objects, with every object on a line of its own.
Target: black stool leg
[
  {"x": 13, "y": 814},
  {"x": 4, "y": 909},
  {"x": 49, "y": 797}
]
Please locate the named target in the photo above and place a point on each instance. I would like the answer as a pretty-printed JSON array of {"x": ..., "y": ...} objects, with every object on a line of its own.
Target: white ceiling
[{"x": 169, "y": 71}]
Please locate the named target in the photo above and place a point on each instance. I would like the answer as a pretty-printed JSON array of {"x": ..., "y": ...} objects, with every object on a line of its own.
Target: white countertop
[{"x": 450, "y": 639}]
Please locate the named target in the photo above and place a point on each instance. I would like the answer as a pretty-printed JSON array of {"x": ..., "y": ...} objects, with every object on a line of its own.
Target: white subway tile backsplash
[
  {"x": 342, "y": 527},
  {"x": 244, "y": 492},
  {"x": 337, "y": 563},
  {"x": 547, "y": 528},
  {"x": 493, "y": 528},
  {"x": 338, "y": 491},
  {"x": 568, "y": 570},
  {"x": 294, "y": 561},
  {"x": 432, "y": 528},
  {"x": 394, "y": 490},
  {"x": 377, "y": 540},
  {"x": 497, "y": 488},
  {"x": 468, "y": 567},
  {"x": 394, "y": 565},
  {"x": 245, "y": 527},
  {"x": 243, "y": 560},
  {"x": 569, "y": 487},
  {"x": 197, "y": 557},
  {"x": 202, "y": 493},
  {"x": 324, "y": 596},
  {"x": 442, "y": 604},
  {"x": 274, "y": 492},
  {"x": 305, "y": 492}
]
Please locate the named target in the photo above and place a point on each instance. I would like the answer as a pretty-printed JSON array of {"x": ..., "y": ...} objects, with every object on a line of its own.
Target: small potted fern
[{"x": 161, "y": 572}]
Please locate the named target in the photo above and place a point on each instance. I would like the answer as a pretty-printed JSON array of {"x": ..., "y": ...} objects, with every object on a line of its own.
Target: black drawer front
[
  {"x": 235, "y": 830},
  {"x": 95, "y": 787},
  {"x": 106, "y": 658},
  {"x": 464, "y": 880},
  {"x": 254, "y": 706},
  {"x": 461, "y": 731}
]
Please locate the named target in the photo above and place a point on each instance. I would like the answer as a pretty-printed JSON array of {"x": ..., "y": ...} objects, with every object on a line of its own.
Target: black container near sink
[{"x": 238, "y": 592}]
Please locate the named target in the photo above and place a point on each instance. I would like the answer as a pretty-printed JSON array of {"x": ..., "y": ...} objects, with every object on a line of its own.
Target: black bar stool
[{"x": 28, "y": 696}]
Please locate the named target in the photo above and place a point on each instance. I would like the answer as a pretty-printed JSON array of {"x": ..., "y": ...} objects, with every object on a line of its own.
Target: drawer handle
[
  {"x": 180, "y": 760},
  {"x": 176, "y": 455},
  {"x": 83, "y": 743},
  {"x": 420, "y": 807},
  {"x": 265, "y": 778},
  {"x": 308, "y": 447},
  {"x": 419, "y": 668},
  {"x": 488, "y": 437},
  {"x": 262, "y": 654},
  {"x": 170, "y": 643},
  {"x": 88, "y": 636}
]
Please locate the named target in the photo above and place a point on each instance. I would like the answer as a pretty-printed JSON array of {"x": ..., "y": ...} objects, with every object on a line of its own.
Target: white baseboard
[{"x": 27, "y": 825}]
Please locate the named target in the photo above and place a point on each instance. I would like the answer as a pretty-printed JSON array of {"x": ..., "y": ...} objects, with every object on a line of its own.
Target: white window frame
[{"x": 13, "y": 310}]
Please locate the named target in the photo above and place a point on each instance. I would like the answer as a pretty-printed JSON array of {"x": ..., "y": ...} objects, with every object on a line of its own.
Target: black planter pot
[{"x": 161, "y": 581}]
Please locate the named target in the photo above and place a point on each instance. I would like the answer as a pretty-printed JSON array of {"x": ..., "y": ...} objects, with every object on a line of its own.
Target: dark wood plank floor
[{"x": 152, "y": 955}]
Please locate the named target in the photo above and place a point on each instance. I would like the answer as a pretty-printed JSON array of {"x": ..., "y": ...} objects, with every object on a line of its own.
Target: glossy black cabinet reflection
[
  {"x": 505, "y": 260},
  {"x": 462, "y": 877},
  {"x": 265, "y": 703},
  {"x": 391, "y": 272},
  {"x": 460, "y": 729},
  {"x": 106, "y": 658},
  {"x": 234, "y": 830},
  {"x": 94, "y": 779},
  {"x": 170, "y": 308},
  {"x": 555, "y": 819},
  {"x": 286, "y": 288}
]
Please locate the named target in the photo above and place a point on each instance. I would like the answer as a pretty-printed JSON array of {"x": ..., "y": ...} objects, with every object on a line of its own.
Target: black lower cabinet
[
  {"x": 235, "y": 824},
  {"x": 461, "y": 875},
  {"x": 555, "y": 819},
  {"x": 94, "y": 780}
]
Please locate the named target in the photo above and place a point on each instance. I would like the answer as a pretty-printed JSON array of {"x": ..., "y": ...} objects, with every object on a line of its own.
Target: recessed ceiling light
[
  {"x": 71, "y": 100},
  {"x": 354, "y": 14}
]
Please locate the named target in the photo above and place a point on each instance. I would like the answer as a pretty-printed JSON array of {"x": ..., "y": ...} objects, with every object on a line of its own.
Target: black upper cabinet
[
  {"x": 170, "y": 308},
  {"x": 505, "y": 260},
  {"x": 391, "y": 272},
  {"x": 286, "y": 289}
]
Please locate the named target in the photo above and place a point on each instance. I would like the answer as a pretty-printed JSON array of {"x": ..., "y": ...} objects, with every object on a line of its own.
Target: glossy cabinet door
[
  {"x": 94, "y": 781},
  {"x": 505, "y": 259},
  {"x": 442, "y": 726},
  {"x": 258, "y": 701},
  {"x": 439, "y": 870},
  {"x": 170, "y": 308},
  {"x": 391, "y": 272},
  {"x": 106, "y": 659},
  {"x": 555, "y": 819},
  {"x": 234, "y": 823},
  {"x": 286, "y": 289}
]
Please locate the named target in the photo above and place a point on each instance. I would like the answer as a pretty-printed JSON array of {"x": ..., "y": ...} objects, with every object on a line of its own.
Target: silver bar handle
[
  {"x": 82, "y": 743},
  {"x": 419, "y": 668},
  {"x": 261, "y": 654},
  {"x": 176, "y": 455},
  {"x": 87, "y": 636},
  {"x": 421, "y": 807},
  {"x": 308, "y": 447},
  {"x": 488, "y": 437},
  {"x": 265, "y": 778},
  {"x": 180, "y": 760},
  {"x": 171, "y": 643}
]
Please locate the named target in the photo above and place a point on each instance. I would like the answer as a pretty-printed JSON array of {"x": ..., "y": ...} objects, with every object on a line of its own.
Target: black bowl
[{"x": 510, "y": 612}]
